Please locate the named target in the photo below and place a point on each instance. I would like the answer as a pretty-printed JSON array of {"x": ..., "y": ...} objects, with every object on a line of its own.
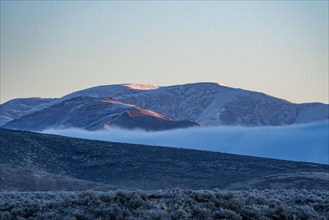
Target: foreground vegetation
[{"x": 171, "y": 204}]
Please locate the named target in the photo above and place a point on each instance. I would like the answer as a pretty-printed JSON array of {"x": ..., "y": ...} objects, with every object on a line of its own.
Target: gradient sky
[{"x": 52, "y": 48}]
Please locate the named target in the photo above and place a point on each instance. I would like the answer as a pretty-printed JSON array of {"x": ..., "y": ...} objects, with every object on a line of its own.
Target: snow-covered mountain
[
  {"x": 17, "y": 108},
  {"x": 213, "y": 104},
  {"x": 207, "y": 104},
  {"x": 94, "y": 113}
]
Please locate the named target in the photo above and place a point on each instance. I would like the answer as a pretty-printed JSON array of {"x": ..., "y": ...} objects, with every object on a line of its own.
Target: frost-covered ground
[{"x": 172, "y": 204}]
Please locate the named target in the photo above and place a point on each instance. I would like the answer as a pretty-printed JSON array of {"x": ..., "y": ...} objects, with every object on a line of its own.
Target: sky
[{"x": 52, "y": 48}]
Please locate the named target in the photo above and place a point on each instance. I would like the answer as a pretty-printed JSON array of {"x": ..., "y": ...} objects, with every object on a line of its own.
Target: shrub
[{"x": 172, "y": 204}]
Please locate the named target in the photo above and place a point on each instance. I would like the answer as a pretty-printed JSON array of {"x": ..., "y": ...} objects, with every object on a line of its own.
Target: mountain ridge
[{"x": 207, "y": 104}]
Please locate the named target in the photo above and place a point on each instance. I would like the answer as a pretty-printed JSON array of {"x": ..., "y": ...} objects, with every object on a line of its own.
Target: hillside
[
  {"x": 132, "y": 166},
  {"x": 212, "y": 104},
  {"x": 17, "y": 108},
  {"x": 95, "y": 113}
]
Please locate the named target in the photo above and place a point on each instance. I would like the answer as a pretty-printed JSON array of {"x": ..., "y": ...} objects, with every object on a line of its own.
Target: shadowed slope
[{"x": 145, "y": 167}]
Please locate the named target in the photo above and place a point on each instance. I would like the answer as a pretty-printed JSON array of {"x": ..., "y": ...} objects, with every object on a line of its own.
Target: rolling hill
[{"x": 30, "y": 160}]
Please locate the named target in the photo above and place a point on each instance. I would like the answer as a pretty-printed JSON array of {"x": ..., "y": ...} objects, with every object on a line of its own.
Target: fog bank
[{"x": 305, "y": 142}]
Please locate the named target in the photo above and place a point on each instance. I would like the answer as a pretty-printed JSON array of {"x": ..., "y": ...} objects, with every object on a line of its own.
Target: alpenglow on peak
[{"x": 140, "y": 86}]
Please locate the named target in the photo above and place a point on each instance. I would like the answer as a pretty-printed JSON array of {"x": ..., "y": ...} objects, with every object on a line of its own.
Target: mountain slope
[
  {"x": 149, "y": 167},
  {"x": 213, "y": 104},
  {"x": 17, "y": 108},
  {"x": 92, "y": 113},
  {"x": 208, "y": 104}
]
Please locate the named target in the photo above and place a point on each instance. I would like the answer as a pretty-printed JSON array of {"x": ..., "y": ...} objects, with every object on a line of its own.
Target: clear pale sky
[{"x": 52, "y": 48}]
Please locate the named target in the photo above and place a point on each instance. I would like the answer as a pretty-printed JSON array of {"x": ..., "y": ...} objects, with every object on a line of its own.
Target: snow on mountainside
[
  {"x": 94, "y": 113},
  {"x": 310, "y": 112},
  {"x": 117, "y": 90},
  {"x": 213, "y": 104},
  {"x": 208, "y": 104},
  {"x": 18, "y": 107}
]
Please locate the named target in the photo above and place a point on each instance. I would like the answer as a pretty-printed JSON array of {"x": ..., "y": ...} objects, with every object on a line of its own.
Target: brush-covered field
[{"x": 171, "y": 204}]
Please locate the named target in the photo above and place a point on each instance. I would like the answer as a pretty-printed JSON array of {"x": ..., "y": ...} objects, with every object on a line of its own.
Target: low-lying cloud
[{"x": 305, "y": 142}]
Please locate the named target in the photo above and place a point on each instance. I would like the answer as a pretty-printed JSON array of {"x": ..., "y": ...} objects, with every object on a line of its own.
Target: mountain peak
[{"x": 140, "y": 86}]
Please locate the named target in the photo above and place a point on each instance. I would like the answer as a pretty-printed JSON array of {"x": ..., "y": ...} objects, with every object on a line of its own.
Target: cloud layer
[{"x": 306, "y": 142}]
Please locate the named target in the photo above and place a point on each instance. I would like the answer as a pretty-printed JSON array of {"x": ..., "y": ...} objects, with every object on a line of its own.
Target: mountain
[
  {"x": 33, "y": 162},
  {"x": 208, "y": 104},
  {"x": 95, "y": 113},
  {"x": 17, "y": 108},
  {"x": 213, "y": 104}
]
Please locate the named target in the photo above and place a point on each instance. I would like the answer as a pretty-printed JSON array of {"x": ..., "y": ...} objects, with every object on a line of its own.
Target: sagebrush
[{"x": 171, "y": 204}]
